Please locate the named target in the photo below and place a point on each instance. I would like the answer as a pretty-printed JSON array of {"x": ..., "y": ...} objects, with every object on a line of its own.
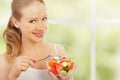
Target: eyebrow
[{"x": 35, "y": 17}]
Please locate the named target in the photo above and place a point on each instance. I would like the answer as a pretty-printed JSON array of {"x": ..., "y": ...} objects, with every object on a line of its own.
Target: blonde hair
[{"x": 12, "y": 35}]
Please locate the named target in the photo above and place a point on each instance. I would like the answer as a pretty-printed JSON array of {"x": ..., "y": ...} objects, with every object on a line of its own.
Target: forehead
[{"x": 33, "y": 10}]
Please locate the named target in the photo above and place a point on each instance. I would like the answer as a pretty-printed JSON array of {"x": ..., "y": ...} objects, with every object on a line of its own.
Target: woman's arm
[{"x": 12, "y": 71}]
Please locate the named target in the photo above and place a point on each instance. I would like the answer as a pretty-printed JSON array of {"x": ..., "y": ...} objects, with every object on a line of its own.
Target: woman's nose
[{"x": 39, "y": 26}]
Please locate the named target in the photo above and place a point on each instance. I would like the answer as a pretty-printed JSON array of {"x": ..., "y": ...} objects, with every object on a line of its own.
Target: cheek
[
  {"x": 24, "y": 28},
  {"x": 46, "y": 26}
]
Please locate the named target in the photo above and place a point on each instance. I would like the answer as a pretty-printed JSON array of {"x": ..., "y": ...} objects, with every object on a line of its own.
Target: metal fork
[
  {"x": 52, "y": 55},
  {"x": 43, "y": 58},
  {"x": 57, "y": 57}
]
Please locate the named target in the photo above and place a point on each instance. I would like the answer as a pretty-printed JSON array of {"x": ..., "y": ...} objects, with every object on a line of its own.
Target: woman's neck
[{"x": 28, "y": 48}]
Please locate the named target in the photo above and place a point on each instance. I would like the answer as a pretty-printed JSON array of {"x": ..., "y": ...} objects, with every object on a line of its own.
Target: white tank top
[{"x": 36, "y": 74}]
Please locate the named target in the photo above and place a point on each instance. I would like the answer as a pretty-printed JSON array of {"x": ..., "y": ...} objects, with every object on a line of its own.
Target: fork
[{"x": 52, "y": 55}]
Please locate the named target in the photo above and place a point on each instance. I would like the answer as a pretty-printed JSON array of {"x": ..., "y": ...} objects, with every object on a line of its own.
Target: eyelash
[
  {"x": 45, "y": 18},
  {"x": 33, "y": 21}
]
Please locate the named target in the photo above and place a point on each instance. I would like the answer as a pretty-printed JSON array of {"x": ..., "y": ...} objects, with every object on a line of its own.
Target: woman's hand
[
  {"x": 22, "y": 63},
  {"x": 68, "y": 76},
  {"x": 60, "y": 76}
]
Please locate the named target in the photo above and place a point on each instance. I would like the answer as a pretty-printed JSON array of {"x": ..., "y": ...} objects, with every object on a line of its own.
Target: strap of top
[{"x": 56, "y": 51}]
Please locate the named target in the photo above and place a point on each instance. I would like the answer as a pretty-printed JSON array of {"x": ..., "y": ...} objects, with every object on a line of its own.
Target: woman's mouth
[{"x": 39, "y": 35}]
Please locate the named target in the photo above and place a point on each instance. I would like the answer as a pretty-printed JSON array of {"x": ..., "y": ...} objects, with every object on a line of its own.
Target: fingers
[
  {"x": 54, "y": 77},
  {"x": 73, "y": 70},
  {"x": 69, "y": 75},
  {"x": 65, "y": 76},
  {"x": 23, "y": 63},
  {"x": 26, "y": 59},
  {"x": 60, "y": 76},
  {"x": 24, "y": 67}
]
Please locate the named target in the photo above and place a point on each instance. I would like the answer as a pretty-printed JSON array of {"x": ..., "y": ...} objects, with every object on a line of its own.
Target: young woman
[{"x": 25, "y": 44}]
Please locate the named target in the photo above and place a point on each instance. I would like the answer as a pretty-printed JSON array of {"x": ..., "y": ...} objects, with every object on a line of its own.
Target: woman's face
[{"x": 33, "y": 23}]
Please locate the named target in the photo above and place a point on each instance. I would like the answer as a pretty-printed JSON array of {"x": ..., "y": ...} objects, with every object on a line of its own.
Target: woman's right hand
[{"x": 22, "y": 63}]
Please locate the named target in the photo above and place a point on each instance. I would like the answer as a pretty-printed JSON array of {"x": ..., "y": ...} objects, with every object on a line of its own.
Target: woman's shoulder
[
  {"x": 60, "y": 49},
  {"x": 2, "y": 58},
  {"x": 3, "y": 62},
  {"x": 4, "y": 67}
]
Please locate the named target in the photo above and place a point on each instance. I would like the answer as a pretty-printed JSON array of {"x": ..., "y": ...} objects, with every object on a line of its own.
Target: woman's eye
[
  {"x": 45, "y": 18},
  {"x": 32, "y": 21}
]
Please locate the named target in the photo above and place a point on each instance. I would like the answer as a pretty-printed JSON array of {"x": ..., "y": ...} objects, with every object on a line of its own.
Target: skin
[{"x": 33, "y": 26}]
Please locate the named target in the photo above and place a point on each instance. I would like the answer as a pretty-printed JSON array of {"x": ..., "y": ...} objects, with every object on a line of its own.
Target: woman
[{"x": 25, "y": 44}]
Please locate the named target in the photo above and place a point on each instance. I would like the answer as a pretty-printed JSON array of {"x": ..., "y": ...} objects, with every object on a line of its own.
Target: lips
[{"x": 39, "y": 34}]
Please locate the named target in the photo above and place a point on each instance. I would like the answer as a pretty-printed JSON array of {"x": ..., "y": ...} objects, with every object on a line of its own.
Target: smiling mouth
[{"x": 39, "y": 34}]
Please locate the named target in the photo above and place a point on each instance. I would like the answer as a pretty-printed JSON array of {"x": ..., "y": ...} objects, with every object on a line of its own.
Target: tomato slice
[{"x": 59, "y": 67}]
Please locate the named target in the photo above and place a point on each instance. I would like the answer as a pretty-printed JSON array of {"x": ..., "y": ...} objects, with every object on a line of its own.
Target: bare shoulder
[
  {"x": 2, "y": 60},
  {"x": 4, "y": 67},
  {"x": 61, "y": 50}
]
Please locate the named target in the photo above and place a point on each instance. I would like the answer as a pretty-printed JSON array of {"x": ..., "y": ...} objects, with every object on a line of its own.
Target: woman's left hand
[
  {"x": 68, "y": 76},
  {"x": 61, "y": 76}
]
